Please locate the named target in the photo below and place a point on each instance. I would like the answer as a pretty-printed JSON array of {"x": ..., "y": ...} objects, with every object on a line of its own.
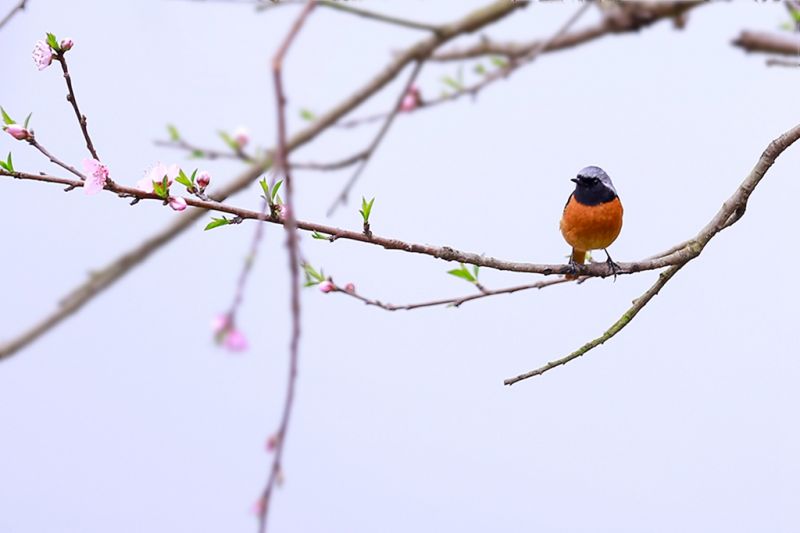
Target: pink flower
[
  {"x": 235, "y": 340},
  {"x": 42, "y": 55},
  {"x": 241, "y": 136},
  {"x": 227, "y": 334},
  {"x": 97, "y": 173},
  {"x": 327, "y": 286},
  {"x": 350, "y": 288},
  {"x": 157, "y": 173},
  {"x": 66, "y": 44},
  {"x": 283, "y": 209},
  {"x": 178, "y": 203},
  {"x": 411, "y": 100},
  {"x": 17, "y": 131},
  {"x": 203, "y": 179}
]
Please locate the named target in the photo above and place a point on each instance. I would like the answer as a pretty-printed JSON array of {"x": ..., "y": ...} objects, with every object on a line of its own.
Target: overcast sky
[{"x": 127, "y": 418}]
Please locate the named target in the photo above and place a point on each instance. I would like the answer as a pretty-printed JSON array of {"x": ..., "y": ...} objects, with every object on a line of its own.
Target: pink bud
[
  {"x": 177, "y": 203},
  {"x": 241, "y": 136},
  {"x": 17, "y": 131},
  {"x": 283, "y": 209},
  {"x": 327, "y": 286},
  {"x": 272, "y": 442},
  {"x": 350, "y": 288},
  {"x": 203, "y": 179},
  {"x": 235, "y": 340},
  {"x": 66, "y": 44},
  {"x": 258, "y": 506},
  {"x": 411, "y": 100}
]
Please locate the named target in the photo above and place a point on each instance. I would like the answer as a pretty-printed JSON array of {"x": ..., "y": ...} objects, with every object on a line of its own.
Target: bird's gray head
[{"x": 593, "y": 186}]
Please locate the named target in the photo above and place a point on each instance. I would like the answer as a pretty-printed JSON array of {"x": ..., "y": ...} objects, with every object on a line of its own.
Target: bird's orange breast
[{"x": 591, "y": 227}]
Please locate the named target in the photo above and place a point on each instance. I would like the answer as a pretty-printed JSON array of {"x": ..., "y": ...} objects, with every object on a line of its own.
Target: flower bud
[
  {"x": 17, "y": 131},
  {"x": 327, "y": 286},
  {"x": 203, "y": 179},
  {"x": 241, "y": 136},
  {"x": 350, "y": 288},
  {"x": 178, "y": 203},
  {"x": 66, "y": 44}
]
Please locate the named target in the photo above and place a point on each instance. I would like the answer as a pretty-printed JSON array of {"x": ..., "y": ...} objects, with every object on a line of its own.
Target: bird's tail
[{"x": 579, "y": 257}]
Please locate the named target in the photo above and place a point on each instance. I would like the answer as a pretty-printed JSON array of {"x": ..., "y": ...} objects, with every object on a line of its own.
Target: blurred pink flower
[
  {"x": 203, "y": 179},
  {"x": 283, "y": 209},
  {"x": 227, "y": 334},
  {"x": 96, "y": 175},
  {"x": 17, "y": 131},
  {"x": 157, "y": 173},
  {"x": 66, "y": 44},
  {"x": 42, "y": 55},
  {"x": 241, "y": 136},
  {"x": 327, "y": 286},
  {"x": 272, "y": 442},
  {"x": 178, "y": 203},
  {"x": 350, "y": 288},
  {"x": 411, "y": 100}
]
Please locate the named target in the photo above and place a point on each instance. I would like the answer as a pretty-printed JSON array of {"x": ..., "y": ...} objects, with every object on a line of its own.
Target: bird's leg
[
  {"x": 615, "y": 268},
  {"x": 573, "y": 268}
]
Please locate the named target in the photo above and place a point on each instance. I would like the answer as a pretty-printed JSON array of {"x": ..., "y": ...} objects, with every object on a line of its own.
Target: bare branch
[
  {"x": 206, "y": 153},
  {"x": 60, "y": 57},
  {"x": 770, "y": 43},
  {"x": 19, "y": 7}
]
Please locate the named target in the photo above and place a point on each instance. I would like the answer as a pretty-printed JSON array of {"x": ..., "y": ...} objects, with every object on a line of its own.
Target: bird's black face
[{"x": 590, "y": 190}]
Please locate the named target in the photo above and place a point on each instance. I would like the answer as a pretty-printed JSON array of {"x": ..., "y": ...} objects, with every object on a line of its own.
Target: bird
[{"x": 592, "y": 217}]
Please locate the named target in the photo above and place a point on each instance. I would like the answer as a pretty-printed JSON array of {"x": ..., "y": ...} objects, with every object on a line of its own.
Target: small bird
[{"x": 592, "y": 218}]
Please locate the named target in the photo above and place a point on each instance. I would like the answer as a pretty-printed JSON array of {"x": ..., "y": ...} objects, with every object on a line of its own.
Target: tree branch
[
  {"x": 770, "y": 43},
  {"x": 19, "y": 7}
]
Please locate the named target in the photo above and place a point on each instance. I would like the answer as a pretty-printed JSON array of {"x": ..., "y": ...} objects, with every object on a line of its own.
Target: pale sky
[{"x": 127, "y": 418}]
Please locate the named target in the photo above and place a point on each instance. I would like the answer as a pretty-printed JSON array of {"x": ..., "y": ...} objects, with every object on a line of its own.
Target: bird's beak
[{"x": 574, "y": 180}]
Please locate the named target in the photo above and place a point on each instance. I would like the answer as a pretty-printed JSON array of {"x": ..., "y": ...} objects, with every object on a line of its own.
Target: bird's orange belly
[{"x": 591, "y": 227}]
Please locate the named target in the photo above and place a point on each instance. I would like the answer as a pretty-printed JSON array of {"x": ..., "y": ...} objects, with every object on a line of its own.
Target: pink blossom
[
  {"x": 241, "y": 136},
  {"x": 178, "y": 203},
  {"x": 220, "y": 323},
  {"x": 327, "y": 286},
  {"x": 235, "y": 340},
  {"x": 17, "y": 131},
  {"x": 283, "y": 209},
  {"x": 66, "y": 44},
  {"x": 350, "y": 288},
  {"x": 203, "y": 179},
  {"x": 42, "y": 55},
  {"x": 157, "y": 173},
  {"x": 97, "y": 174},
  {"x": 411, "y": 100}
]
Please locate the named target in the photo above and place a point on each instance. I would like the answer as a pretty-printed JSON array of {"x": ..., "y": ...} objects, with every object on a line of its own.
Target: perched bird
[{"x": 592, "y": 218}]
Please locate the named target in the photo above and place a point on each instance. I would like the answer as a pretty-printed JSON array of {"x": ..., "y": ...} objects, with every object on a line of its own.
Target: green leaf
[
  {"x": 312, "y": 276},
  {"x": 9, "y": 163},
  {"x": 6, "y": 118},
  {"x": 795, "y": 14},
  {"x": 462, "y": 273},
  {"x": 217, "y": 222},
  {"x": 321, "y": 236},
  {"x": 174, "y": 135},
  {"x": 232, "y": 144},
  {"x": 366, "y": 208},
  {"x": 480, "y": 69},
  {"x": 307, "y": 114},
  {"x": 475, "y": 269},
  {"x": 499, "y": 61},
  {"x": 198, "y": 154},
  {"x": 452, "y": 83},
  {"x": 265, "y": 188},
  {"x": 194, "y": 173},
  {"x": 275, "y": 189},
  {"x": 183, "y": 179},
  {"x": 53, "y": 42},
  {"x": 27, "y": 119},
  {"x": 161, "y": 188}
]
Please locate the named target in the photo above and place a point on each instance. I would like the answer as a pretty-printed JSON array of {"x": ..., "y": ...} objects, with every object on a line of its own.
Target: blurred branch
[
  {"x": 206, "y": 153},
  {"x": 290, "y": 225},
  {"x": 341, "y": 198},
  {"x": 19, "y": 7},
  {"x": 104, "y": 277},
  {"x": 770, "y": 43},
  {"x": 731, "y": 212},
  {"x": 454, "y": 302}
]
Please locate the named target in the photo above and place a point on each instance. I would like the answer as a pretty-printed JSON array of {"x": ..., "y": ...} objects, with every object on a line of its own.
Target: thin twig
[
  {"x": 637, "y": 306},
  {"x": 341, "y": 198},
  {"x": 454, "y": 302},
  {"x": 380, "y": 17},
  {"x": 19, "y": 7},
  {"x": 53, "y": 159},
  {"x": 782, "y": 63},
  {"x": 290, "y": 224},
  {"x": 335, "y": 165},
  {"x": 770, "y": 43},
  {"x": 206, "y": 153},
  {"x": 61, "y": 58}
]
